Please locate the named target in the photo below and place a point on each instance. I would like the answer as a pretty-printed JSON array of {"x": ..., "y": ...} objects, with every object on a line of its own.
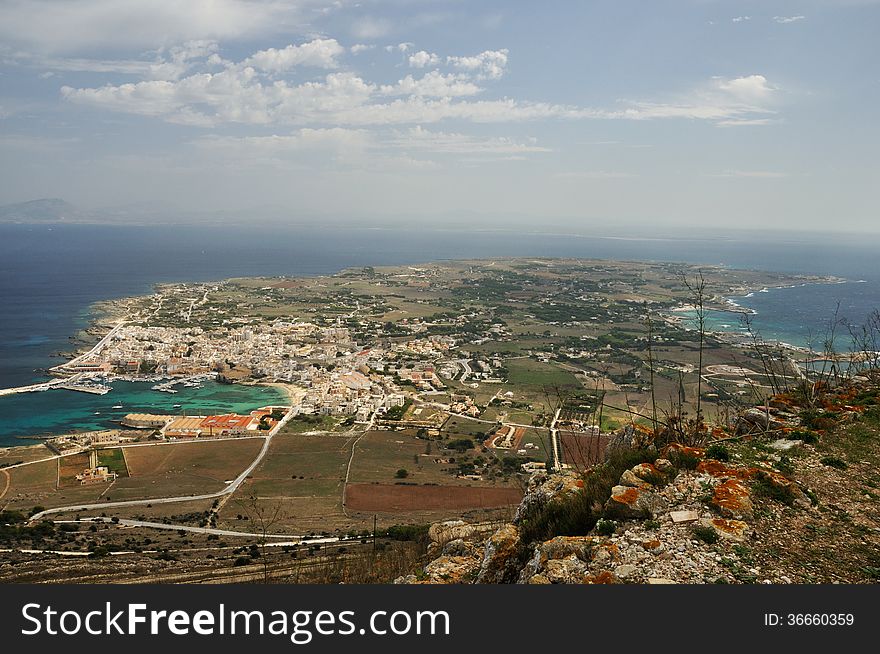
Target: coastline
[{"x": 730, "y": 305}]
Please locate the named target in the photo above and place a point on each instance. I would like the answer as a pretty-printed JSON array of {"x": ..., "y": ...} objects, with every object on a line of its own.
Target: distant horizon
[{"x": 143, "y": 215}]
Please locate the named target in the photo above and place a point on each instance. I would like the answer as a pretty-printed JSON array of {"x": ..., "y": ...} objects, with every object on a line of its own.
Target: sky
[{"x": 583, "y": 113}]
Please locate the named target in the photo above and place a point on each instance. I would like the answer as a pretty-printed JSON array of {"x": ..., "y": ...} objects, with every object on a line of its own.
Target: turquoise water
[
  {"x": 62, "y": 411},
  {"x": 800, "y": 315}
]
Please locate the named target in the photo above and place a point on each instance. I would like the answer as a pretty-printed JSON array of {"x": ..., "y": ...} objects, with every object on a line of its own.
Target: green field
[{"x": 114, "y": 460}]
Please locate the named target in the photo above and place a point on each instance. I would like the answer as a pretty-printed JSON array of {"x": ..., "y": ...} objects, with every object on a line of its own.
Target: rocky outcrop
[
  {"x": 627, "y": 502},
  {"x": 732, "y": 500},
  {"x": 500, "y": 557},
  {"x": 544, "y": 488},
  {"x": 663, "y": 522}
]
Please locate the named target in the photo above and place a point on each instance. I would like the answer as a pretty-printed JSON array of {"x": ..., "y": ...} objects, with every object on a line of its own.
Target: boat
[
  {"x": 177, "y": 406},
  {"x": 118, "y": 406}
]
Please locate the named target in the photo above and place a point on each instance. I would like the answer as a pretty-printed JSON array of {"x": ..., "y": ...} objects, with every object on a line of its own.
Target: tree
[
  {"x": 263, "y": 517},
  {"x": 697, "y": 288},
  {"x": 401, "y": 473}
]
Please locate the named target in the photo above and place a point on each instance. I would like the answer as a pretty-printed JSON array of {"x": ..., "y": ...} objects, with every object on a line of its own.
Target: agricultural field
[
  {"x": 183, "y": 468},
  {"x": 302, "y": 475},
  {"x": 406, "y": 499}
]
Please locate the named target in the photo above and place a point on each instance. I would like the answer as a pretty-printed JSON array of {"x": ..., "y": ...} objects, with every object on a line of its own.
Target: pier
[{"x": 79, "y": 382}]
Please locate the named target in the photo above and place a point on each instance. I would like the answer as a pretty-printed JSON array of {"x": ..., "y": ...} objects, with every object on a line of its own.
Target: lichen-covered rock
[
  {"x": 560, "y": 547},
  {"x": 500, "y": 557},
  {"x": 443, "y": 532},
  {"x": 722, "y": 470},
  {"x": 458, "y": 547},
  {"x": 736, "y": 530},
  {"x": 570, "y": 570},
  {"x": 452, "y": 570},
  {"x": 629, "y": 503},
  {"x": 679, "y": 451},
  {"x": 786, "y": 486},
  {"x": 544, "y": 488},
  {"x": 757, "y": 419},
  {"x": 732, "y": 500},
  {"x": 629, "y": 478},
  {"x": 665, "y": 466},
  {"x": 445, "y": 570}
]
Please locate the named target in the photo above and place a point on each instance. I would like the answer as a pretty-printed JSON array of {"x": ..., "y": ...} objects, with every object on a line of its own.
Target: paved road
[
  {"x": 293, "y": 539},
  {"x": 351, "y": 457},
  {"x": 97, "y": 348}
]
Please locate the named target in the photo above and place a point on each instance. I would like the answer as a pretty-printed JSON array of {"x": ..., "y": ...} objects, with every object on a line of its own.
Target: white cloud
[
  {"x": 747, "y": 89},
  {"x": 357, "y": 48},
  {"x": 73, "y": 26},
  {"x": 782, "y": 20},
  {"x": 320, "y": 53},
  {"x": 253, "y": 91},
  {"x": 489, "y": 64},
  {"x": 724, "y": 101},
  {"x": 180, "y": 58},
  {"x": 419, "y": 138},
  {"x": 433, "y": 84},
  {"x": 421, "y": 59},
  {"x": 740, "y": 19}
]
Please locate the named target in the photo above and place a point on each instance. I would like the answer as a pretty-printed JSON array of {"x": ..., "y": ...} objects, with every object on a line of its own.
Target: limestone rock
[
  {"x": 664, "y": 465},
  {"x": 732, "y": 500},
  {"x": 570, "y": 570},
  {"x": 629, "y": 478},
  {"x": 543, "y": 488},
  {"x": 500, "y": 563},
  {"x": 627, "y": 502},
  {"x": 452, "y": 569},
  {"x": 736, "y": 530},
  {"x": 581, "y": 547},
  {"x": 679, "y": 517},
  {"x": 786, "y": 485}
]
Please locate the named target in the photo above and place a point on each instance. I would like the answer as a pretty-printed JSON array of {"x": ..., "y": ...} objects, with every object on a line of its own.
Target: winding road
[{"x": 227, "y": 490}]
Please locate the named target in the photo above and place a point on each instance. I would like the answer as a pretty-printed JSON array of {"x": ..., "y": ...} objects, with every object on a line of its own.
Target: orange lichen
[
  {"x": 604, "y": 577},
  {"x": 731, "y": 495},
  {"x": 722, "y": 470},
  {"x": 696, "y": 452},
  {"x": 628, "y": 497}
]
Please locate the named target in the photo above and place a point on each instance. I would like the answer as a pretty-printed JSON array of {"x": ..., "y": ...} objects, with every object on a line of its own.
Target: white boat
[{"x": 118, "y": 406}]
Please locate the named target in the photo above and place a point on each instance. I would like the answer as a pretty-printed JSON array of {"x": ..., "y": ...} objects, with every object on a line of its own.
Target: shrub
[
  {"x": 784, "y": 465},
  {"x": 401, "y": 473},
  {"x": 834, "y": 462},
  {"x": 718, "y": 451},
  {"x": 577, "y": 513},
  {"x": 605, "y": 527},
  {"x": 705, "y": 534},
  {"x": 683, "y": 460},
  {"x": 806, "y": 435},
  {"x": 769, "y": 490}
]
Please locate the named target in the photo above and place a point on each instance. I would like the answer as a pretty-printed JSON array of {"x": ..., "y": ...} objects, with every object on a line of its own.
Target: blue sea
[{"x": 50, "y": 275}]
